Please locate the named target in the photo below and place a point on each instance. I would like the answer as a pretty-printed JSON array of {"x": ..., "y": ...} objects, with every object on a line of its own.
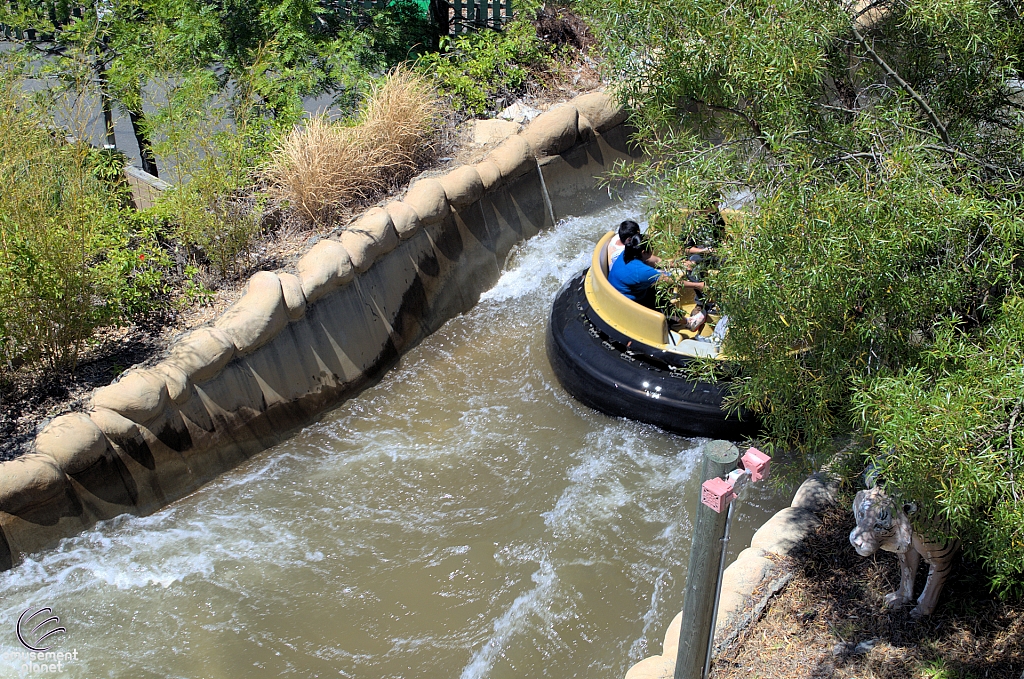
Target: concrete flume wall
[{"x": 299, "y": 343}]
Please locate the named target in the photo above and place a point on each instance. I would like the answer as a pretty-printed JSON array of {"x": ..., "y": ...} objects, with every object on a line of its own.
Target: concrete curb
[
  {"x": 298, "y": 343},
  {"x": 749, "y": 583}
]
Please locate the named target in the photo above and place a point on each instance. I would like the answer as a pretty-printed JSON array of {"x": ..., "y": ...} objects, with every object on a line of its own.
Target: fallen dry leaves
[{"x": 829, "y": 622}]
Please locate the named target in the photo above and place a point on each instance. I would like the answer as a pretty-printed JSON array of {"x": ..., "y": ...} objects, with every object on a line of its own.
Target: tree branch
[
  {"x": 953, "y": 151},
  {"x": 750, "y": 121},
  {"x": 904, "y": 85},
  {"x": 853, "y": 156}
]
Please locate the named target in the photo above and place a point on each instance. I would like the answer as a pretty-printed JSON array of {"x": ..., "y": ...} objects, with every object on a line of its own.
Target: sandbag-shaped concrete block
[
  {"x": 72, "y": 441},
  {"x": 740, "y": 579},
  {"x": 782, "y": 533},
  {"x": 462, "y": 186},
  {"x": 428, "y": 200},
  {"x": 258, "y": 316},
  {"x": 325, "y": 267},
  {"x": 602, "y": 110},
  {"x": 554, "y": 131},
  {"x": 749, "y": 553},
  {"x": 730, "y": 604},
  {"x": 815, "y": 494},
  {"x": 368, "y": 238},
  {"x": 493, "y": 130},
  {"x": 670, "y": 645},
  {"x": 169, "y": 430},
  {"x": 514, "y": 157},
  {"x": 79, "y": 448},
  {"x": 655, "y": 667},
  {"x": 745, "y": 574},
  {"x": 294, "y": 300},
  {"x": 125, "y": 434},
  {"x": 490, "y": 175},
  {"x": 140, "y": 396},
  {"x": 114, "y": 426},
  {"x": 153, "y": 477},
  {"x": 585, "y": 129},
  {"x": 202, "y": 353},
  {"x": 406, "y": 221},
  {"x": 179, "y": 387},
  {"x": 35, "y": 490}
]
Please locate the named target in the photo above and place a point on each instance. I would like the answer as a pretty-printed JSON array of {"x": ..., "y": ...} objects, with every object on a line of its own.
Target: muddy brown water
[{"x": 463, "y": 518}]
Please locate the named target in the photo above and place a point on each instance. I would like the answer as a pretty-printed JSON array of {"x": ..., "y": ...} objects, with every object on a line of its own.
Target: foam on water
[
  {"x": 462, "y": 517},
  {"x": 552, "y": 257},
  {"x": 531, "y": 609}
]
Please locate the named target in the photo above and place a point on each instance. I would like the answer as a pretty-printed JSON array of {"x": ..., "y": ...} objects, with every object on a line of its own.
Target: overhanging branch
[{"x": 904, "y": 85}]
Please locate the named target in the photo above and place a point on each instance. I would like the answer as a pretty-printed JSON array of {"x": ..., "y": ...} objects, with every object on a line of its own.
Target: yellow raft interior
[{"x": 637, "y": 321}]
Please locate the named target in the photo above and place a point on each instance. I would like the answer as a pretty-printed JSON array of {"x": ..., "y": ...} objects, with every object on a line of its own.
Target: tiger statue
[{"x": 882, "y": 524}]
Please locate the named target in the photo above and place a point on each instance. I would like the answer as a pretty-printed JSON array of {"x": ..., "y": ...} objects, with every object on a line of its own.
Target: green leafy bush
[
  {"x": 486, "y": 70},
  {"x": 398, "y": 32},
  {"x": 71, "y": 259},
  {"x": 213, "y": 145},
  {"x": 948, "y": 431},
  {"x": 875, "y": 281}
]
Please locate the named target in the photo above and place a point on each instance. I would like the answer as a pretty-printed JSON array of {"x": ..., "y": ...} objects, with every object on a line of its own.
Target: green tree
[
  {"x": 282, "y": 50},
  {"x": 880, "y": 145}
]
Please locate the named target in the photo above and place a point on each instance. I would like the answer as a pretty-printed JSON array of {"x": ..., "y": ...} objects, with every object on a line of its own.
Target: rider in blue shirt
[{"x": 635, "y": 279}]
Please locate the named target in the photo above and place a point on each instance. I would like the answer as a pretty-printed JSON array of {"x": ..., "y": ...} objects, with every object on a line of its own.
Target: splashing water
[{"x": 462, "y": 518}]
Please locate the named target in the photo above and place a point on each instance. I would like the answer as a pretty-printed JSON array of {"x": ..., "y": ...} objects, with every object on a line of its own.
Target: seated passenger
[
  {"x": 627, "y": 230},
  {"x": 636, "y": 279}
]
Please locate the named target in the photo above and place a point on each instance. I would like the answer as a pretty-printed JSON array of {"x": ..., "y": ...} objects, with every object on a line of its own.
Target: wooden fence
[
  {"x": 463, "y": 15},
  {"x": 469, "y": 15}
]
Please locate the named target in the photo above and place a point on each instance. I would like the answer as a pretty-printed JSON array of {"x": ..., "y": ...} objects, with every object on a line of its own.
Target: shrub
[
  {"x": 876, "y": 282},
  {"x": 486, "y": 70},
  {"x": 212, "y": 144},
  {"x": 71, "y": 259},
  {"x": 326, "y": 168},
  {"x": 948, "y": 436}
]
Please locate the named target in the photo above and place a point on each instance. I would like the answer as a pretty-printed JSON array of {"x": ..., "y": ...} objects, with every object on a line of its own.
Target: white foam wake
[
  {"x": 552, "y": 257},
  {"x": 519, "y": 617}
]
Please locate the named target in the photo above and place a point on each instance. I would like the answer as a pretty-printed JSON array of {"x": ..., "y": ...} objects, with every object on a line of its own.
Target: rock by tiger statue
[{"x": 883, "y": 524}]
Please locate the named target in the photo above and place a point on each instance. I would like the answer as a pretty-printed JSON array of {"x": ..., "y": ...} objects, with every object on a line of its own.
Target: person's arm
[
  {"x": 651, "y": 275},
  {"x": 699, "y": 251}
]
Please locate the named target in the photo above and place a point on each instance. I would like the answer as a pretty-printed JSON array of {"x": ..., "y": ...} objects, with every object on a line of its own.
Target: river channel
[{"x": 463, "y": 518}]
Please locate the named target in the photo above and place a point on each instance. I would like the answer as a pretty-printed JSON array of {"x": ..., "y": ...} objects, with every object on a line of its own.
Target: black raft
[{"x": 621, "y": 358}]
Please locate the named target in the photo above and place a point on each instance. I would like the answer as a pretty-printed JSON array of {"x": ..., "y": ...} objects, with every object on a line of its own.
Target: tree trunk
[
  {"x": 108, "y": 113},
  {"x": 145, "y": 145},
  {"x": 441, "y": 22}
]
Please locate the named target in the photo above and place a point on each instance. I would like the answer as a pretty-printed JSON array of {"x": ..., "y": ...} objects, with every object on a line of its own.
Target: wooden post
[{"x": 720, "y": 458}]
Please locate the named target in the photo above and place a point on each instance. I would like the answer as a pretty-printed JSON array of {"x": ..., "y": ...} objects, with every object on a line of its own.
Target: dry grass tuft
[{"x": 327, "y": 169}]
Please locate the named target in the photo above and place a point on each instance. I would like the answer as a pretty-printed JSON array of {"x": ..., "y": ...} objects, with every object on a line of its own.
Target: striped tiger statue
[{"x": 882, "y": 524}]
